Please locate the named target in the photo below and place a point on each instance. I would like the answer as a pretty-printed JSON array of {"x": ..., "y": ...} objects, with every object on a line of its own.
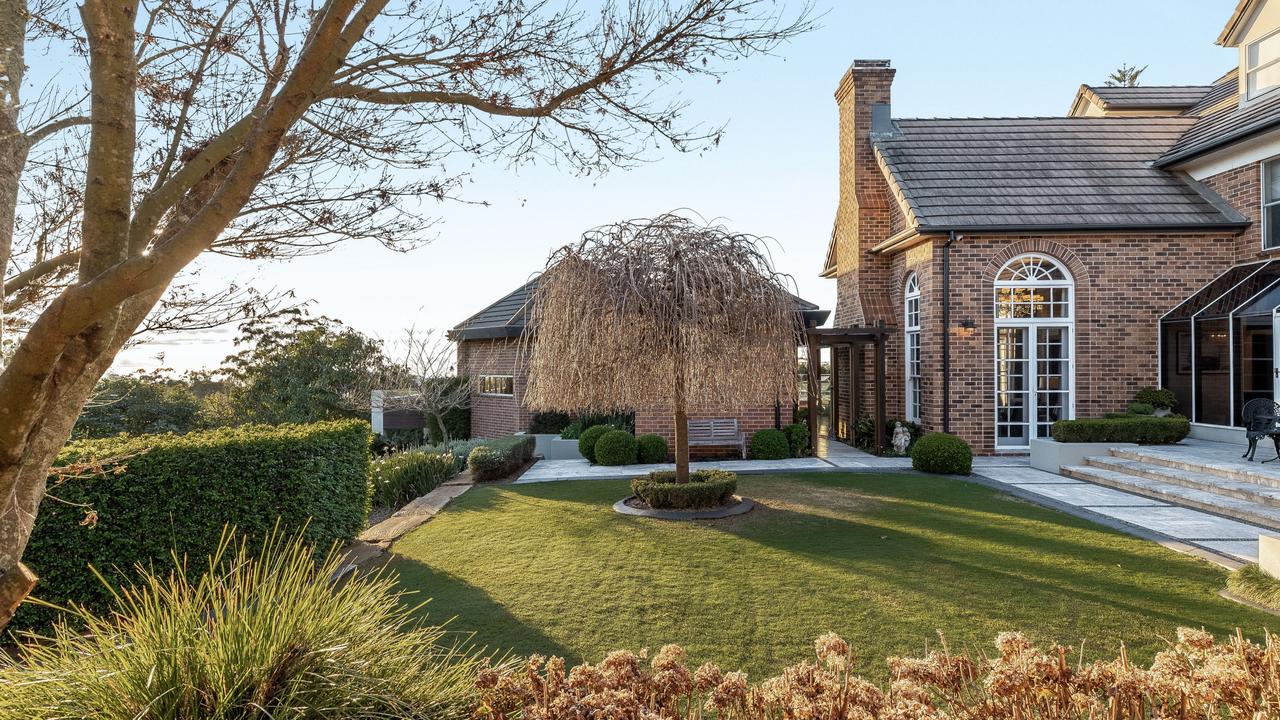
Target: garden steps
[
  {"x": 1239, "y": 500},
  {"x": 1233, "y": 469}
]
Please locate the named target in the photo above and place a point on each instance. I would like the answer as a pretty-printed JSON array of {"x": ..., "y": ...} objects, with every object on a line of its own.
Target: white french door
[{"x": 1033, "y": 381}]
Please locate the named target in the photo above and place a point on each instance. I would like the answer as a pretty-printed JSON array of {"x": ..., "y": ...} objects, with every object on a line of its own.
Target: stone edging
[{"x": 743, "y": 505}]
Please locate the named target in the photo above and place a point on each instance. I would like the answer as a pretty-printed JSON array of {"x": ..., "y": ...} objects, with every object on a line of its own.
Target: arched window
[
  {"x": 1034, "y": 321},
  {"x": 911, "y": 321}
]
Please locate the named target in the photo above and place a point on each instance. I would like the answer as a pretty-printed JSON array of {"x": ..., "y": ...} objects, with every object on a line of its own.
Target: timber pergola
[{"x": 852, "y": 338}]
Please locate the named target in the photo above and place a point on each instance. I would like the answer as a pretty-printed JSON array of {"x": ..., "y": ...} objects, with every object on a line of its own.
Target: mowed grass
[{"x": 884, "y": 560}]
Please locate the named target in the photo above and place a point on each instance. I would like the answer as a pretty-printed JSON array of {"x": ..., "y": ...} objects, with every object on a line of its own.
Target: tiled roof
[
  {"x": 506, "y": 317},
  {"x": 1149, "y": 96},
  {"x": 1222, "y": 120},
  {"x": 1043, "y": 173}
]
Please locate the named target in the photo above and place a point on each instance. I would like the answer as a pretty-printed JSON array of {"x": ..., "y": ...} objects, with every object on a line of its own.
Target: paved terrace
[{"x": 1228, "y": 542}]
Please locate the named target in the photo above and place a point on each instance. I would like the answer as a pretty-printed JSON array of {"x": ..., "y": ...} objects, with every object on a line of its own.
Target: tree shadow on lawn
[
  {"x": 953, "y": 551},
  {"x": 455, "y": 600}
]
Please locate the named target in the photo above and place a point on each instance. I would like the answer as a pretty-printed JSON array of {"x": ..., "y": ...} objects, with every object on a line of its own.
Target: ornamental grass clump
[
  {"x": 265, "y": 634},
  {"x": 397, "y": 479},
  {"x": 1195, "y": 678}
]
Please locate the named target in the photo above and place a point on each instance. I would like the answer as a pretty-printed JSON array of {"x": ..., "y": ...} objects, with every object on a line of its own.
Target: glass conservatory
[{"x": 1218, "y": 348}]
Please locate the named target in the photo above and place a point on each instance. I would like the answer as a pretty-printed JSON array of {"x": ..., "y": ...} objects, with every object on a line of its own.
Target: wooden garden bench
[{"x": 717, "y": 431}]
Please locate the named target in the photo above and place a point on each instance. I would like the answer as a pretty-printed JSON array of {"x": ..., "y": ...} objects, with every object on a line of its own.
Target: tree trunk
[
  {"x": 682, "y": 423},
  {"x": 13, "y": 144}
]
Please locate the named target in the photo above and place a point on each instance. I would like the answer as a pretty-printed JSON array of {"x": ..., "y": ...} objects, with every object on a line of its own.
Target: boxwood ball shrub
[
  {"x": 177, "y": 493},
  {"x": 769, "y": 444},
  {"x": 651, "y": 448},
  {"x": 797, "y": 438},
  {"x": 942, "y": 453},
  {"x": 706, "y": 488},
  {"x": 1160, "y": 398},
  {"x": 616, "y": 447},
  {"x": 1141, "y": 429},
  {"x": 587, "y": 440},
  {"x": 1140, "y": 408}
]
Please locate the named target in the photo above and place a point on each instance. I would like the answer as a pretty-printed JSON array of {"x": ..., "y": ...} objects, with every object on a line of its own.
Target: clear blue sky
[{"x": 775, "y": 172}]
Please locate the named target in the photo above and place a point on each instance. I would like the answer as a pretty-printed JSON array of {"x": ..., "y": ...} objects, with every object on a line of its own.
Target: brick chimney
[{"x": 862, "y": 218}]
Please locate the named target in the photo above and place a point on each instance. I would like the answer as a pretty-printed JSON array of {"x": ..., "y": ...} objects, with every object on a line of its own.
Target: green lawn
[{"x": 884, "y": 560}]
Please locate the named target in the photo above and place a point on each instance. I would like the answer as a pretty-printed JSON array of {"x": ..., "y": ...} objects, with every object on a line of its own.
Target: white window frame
[
  {"x": 1262, "y": 197},
  {"x": 1033, "y": 323},
  {"x": 911, "y": 345},
  {"x": 1249, "y": 95},
  {"x": 480, "y": 382}
]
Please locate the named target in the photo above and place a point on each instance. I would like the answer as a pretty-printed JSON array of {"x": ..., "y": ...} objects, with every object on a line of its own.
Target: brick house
[
  {"x": 489, "y": 352},
  {"x": 1042, "y": 268}
]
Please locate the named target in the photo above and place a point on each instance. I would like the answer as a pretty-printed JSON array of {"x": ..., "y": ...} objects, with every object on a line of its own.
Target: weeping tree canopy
[{"x": 666, "y": 312}]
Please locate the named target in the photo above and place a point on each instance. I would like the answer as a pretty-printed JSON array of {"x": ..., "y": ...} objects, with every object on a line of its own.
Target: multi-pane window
[
  {"x": 1262, "y": 71},
  {"x": 911, "y": 321},
  {"x": 1271, "y": 203},
  {"x": 497, "y": 385},
  {"x": 1033, "y": 350}
]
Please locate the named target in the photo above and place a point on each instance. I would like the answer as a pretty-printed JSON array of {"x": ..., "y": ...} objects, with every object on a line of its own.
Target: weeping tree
[{"x": 664, "y": 312}]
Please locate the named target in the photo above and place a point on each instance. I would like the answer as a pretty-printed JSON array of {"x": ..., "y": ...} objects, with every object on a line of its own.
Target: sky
[{"x": 774, "y": 174}]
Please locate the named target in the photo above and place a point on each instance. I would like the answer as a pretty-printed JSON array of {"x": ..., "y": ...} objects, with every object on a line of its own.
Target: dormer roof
[
  {"x": 1239, "y": 23},
  {"x": 1142, "y": 99}
]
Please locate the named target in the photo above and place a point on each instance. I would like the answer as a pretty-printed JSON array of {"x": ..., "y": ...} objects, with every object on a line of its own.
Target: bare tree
[
  {"x": 261, "y": 128},
  {"x": 644, "y": 313},
  {"x": 424, "y": 377}
]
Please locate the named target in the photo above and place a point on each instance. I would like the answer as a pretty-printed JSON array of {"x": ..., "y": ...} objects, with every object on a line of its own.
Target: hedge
[
  {"x": 651, "y": 449},
  {"x": 549, "y": 423},
  {"x": 616, "y": 447},
  {"x": 399, "y": 478},
  {"x": 942, "y": 453},
  {"x": 1141, "y": 429},
  {"x": 587, "y": 440},
  {"x": 706, "y": 488},
  {"x": 797, "y": 438},
  {"x": 177, "y": 493},
  {"x": 769, "y": 444},
  {"x": 499, "y": 458}
]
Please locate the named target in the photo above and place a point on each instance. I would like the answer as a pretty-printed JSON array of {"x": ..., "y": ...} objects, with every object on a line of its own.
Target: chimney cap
[{"x": 871, "y": 63}]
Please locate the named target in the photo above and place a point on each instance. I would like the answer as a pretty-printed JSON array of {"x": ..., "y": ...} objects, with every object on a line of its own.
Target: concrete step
[
  {"x": 1224, "y": 505},
  {"x": 1239, "y": 489},
  {"x": 1238, "y": 471}
]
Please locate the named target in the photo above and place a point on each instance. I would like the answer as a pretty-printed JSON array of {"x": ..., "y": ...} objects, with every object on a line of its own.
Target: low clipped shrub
[
  {"x": 1139, "y": 408},
  {"x": 587, "y": 440},
  {"x": 797, "y": 438},
  {"x": 399, "y": 478},
  {"x": 259, "y": 634},
  {"x": 499, "y": 458},
  {"x": 460, "y": 450},
  {"x": 151, "y": 496},
  {"x": 1159, "y": 398},
  {"x": 706, "y": 488},
  {"x": 616, "y": 447},
  {"x": 1141, "y": 429},
  {"x": 769, "y": 444},
  {"x": 548, "y": 423},
  {"x": 651, "y": 449},
  {"x": 942, "y": 453}
]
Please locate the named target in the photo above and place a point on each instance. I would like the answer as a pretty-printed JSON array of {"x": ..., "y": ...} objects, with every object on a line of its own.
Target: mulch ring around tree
[{"x": 632, "y": 505}]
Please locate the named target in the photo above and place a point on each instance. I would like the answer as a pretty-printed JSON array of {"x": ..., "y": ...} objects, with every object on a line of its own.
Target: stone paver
[{"x": 1090, "y": 496}]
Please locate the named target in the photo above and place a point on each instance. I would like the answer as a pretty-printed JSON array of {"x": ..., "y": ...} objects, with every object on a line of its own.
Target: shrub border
[{"x": 744, "y": 505}]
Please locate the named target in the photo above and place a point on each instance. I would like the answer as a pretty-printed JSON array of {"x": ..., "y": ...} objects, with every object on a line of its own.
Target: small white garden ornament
[{"x": 901, "y": 438}]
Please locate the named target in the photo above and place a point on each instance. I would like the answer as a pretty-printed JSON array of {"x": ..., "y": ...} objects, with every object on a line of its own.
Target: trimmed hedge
[
  {"x": 651, "y": 449},
  {"x": 942, "y": 453},
  {"x": 1140, "y": 408},
  {"x": 177, "y": 493},
  {"x": 497, "y": 459},
  {"x": 706, "y": 488},
  {"x": 587, "y": 440},
  {"x": 797, "y": 438},
  {"x": 1141, "y": 429},
  {"x": 616, "y": 447},
  {"x": 399, "y": 478},
  {"x": 769, "y": 444}
]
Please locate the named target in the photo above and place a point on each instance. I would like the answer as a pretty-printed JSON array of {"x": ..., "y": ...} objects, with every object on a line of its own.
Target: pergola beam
[{"x": 854, "y": 338}]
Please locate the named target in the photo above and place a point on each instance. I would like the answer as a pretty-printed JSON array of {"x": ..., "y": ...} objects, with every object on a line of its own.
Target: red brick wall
[
  {"x": 1122, "y": 287},
  {"x": 1242, "y": 187},
  {"x": 494, "y": 416},
  {"x": 661, "y": 421}
]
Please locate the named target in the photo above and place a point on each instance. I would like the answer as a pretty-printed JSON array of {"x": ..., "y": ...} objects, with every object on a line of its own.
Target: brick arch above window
[{"x": 1040, "y": 246}]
